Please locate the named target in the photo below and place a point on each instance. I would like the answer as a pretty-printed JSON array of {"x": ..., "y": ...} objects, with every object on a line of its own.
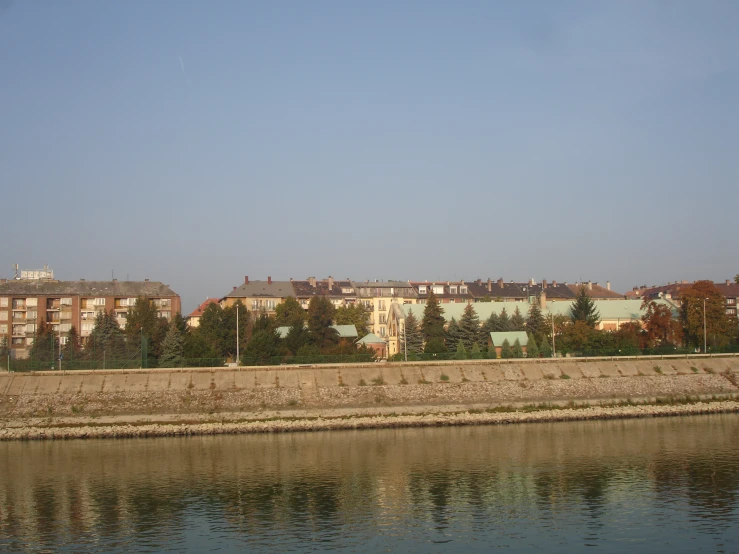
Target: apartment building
[
  {"x": 259, "y": 296},
  {"x": 446, "y": 292},
  {"x": 26, "y": 303},
  {"x": 339, "y": 293}
]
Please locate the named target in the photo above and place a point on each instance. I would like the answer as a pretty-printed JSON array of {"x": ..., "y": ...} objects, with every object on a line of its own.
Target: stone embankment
[{"x": 219, "y": 400}]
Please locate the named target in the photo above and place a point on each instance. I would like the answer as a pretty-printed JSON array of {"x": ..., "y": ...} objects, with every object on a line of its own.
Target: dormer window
[
  {"x": 453, "y": 289},
  {"x": 462, "y": 290},
  {"x": 438, "y": 289},
  {"x": 422, "y": 289}
]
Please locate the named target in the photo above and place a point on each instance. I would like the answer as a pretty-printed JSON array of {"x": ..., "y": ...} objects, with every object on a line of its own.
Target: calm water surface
[{"x": 664, "y": 485}]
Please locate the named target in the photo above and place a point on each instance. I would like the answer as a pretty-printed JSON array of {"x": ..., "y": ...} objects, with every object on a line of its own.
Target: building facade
[{"x": 25, "y": 304}]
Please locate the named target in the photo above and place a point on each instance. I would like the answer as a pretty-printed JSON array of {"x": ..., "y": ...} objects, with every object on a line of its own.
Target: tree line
[{"x": 577, "y": 332}]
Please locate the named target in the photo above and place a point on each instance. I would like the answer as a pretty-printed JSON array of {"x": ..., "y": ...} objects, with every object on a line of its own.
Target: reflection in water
[{"x": 666, "y": 485}]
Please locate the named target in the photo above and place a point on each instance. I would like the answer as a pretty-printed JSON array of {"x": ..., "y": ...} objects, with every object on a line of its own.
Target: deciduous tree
[
  {"x": 717, "y": 324},
  {"x": 661, "y": 328},
  {"x": 320, "y": 318},
  {"x": 289, "y": 312},
  {"x": 354, "y": 314}
]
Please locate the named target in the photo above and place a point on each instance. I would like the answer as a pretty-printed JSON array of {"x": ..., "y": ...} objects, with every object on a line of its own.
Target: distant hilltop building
[{"x": 33, "y": 297}]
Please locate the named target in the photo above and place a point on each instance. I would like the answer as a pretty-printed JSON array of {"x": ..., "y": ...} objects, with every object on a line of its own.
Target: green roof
[
  {"x": 345, "y": 331},
  {"x": 371, "y": 339},
  {"x": 510, "y": 336},
  {"x": 608, "y": 309}
]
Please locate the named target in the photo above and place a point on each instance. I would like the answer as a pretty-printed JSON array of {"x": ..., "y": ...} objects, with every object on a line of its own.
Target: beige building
[
  {"x": 26, "y": 303},
  {"x": 193, "y": 320},
  {"x": 378, "y": 297},
  {"x": 259, "y": 296}
]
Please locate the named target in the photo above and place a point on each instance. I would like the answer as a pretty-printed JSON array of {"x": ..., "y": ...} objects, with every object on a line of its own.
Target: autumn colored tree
[
  {"x": 661, "y": 328},
  {"x": 702, "y": 301}
]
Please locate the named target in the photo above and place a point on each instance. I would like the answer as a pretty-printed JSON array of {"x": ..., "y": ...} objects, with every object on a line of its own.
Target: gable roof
[
  {"x": 510, "y": 336},
  {"x": 304, "y": 289},
  {"x": 371, "y": 338},
  {"x": 595, "y": 291},
  {"x": 197, "y": 312},
  {"x": 263, "y": 289},
  {"x": 86, "y": 288}
]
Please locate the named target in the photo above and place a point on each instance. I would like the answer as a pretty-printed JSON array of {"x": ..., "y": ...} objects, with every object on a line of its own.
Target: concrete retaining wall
[{"x": 248, "y": 389}]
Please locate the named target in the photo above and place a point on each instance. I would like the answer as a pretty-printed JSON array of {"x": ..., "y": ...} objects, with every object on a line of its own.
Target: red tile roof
[{"x": 200, "y": 309}]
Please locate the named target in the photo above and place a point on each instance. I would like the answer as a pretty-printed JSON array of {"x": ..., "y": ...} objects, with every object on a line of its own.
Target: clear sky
[{"x": 197, "y": 142}]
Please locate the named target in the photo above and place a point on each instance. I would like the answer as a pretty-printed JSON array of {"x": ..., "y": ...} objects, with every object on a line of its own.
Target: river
[{"x": 657, "y": 485}]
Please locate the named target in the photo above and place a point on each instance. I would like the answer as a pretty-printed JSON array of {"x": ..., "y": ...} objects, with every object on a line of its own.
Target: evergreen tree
[
  {"x": 492, "y": 352},
  {"x": 106, "y": 341},
  {"x": 476, "y": 354},
  {"x": 469, "y": 328},
  {"x": 517, "y": 349},
  {"x": 546, "y": 349},
  {"x": 71, "y": 350},
  {"x": 289, "y": 312},
  {"x": 4, "y": 349},
  {"x": 320, "y": 318},
  {"x": 491, "y": 324},
  {"x": 432, "y": 325},
  {"x": 461, "y": 353},
  {"x": 453, "y": 335},
  {"x": 506, "y": 351},
  {"x": 212, "y": 331},
  {"x": 45, "y": 344},
  {"x": 517, "y": 322},
  {"x": 142, "y": 318},
  {"x": 172, "y": 348},
  {"x": 532, "y": 350},
  {"x": 181, "y": 324},
  {"x": 297, "y": 337},
  {"x": 535, "y": 324},
  {"x": 411, "y": 333},
  {"x": 504, "y": 322},
  {"x": 583, "y": 309},
  {"x": 261, "y": 348},
  {"x": 434, "y": 346},
  {"x": 196, "y": 346}
]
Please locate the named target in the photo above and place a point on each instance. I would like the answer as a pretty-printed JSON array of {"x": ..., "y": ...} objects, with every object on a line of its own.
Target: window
[
  {"x": 65, "y": 327},
  {"x": 88, "y": 315},
  {"x": 383, "y": 318},
  {"x": 422, "y": 289},
  {"x": 31, "y": 314},
  {"x": 270, "y": 304},
  {"x": 31, "y": 302},
  {"x": 346, "y": 290},
  {"x": 63, "y": 340},
  {"x": 165, "y": 315},
  {"x": 381, "y": 305},
  {"x": 30, "y": 327},
  {"x": 3, "y": 316},
  {"x": 453, "y": 290},
  {"x": 382, "y": 331},
  {"x": 4, "y": 329},
  {"x": 462, "y": 290},
  {"x": 256, "y": 304},
  {"x": 66, "y": 315},
  {"x": 421, "y": 300},
  {"x": 88, "y": 326},
  {"x": 99, "y": 302},
  {"x": 438, "y": 289},
  {"x": 4, "y": 302},
  {"x": 122, "y": 315},
  {"x": 19, "y": 329},
  {"x": 731, "y": 301},
  {"x": 66, "y": 302}
]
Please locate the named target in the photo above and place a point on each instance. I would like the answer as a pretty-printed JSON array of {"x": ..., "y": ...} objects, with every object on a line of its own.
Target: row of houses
[{"x": 672, "y": 292}]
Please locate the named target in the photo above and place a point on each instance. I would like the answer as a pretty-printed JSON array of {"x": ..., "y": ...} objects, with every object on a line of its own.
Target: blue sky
[{"x": 197, "y": 142}]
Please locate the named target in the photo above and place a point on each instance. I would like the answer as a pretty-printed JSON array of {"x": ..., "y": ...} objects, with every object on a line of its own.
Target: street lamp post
[
  {"x": 554, "y": 346},
  {"x": 237, "y": 334},
  {"x": 705, "y": 350}
]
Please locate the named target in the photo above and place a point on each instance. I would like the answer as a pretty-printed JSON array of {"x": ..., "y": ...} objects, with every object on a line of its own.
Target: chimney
[
  {"x": 115, "y": 280},
  {"x": 269, "y": 279},
  {"x": 312, "y": 281},
  {"x": 479, "y": 281},
  {"x": 590, "y": 285},
  {"x": 543, "y": 300},
  {"x": 543, "y": 284},
  {"x": 330, "y": 282},
  {"x": 532, "y": 282},
  {"x": 146, "y": 280},
  {"x": 490, "y": 285},
  {"x": 728, "y": 282},
  {"x": 500, "y": 282},
  {"x": 234, "y": 288},
  {"x": 608, "y": 285},
  {"x": 554, "y": 283},
  {"x": 246, "y": 279}
]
